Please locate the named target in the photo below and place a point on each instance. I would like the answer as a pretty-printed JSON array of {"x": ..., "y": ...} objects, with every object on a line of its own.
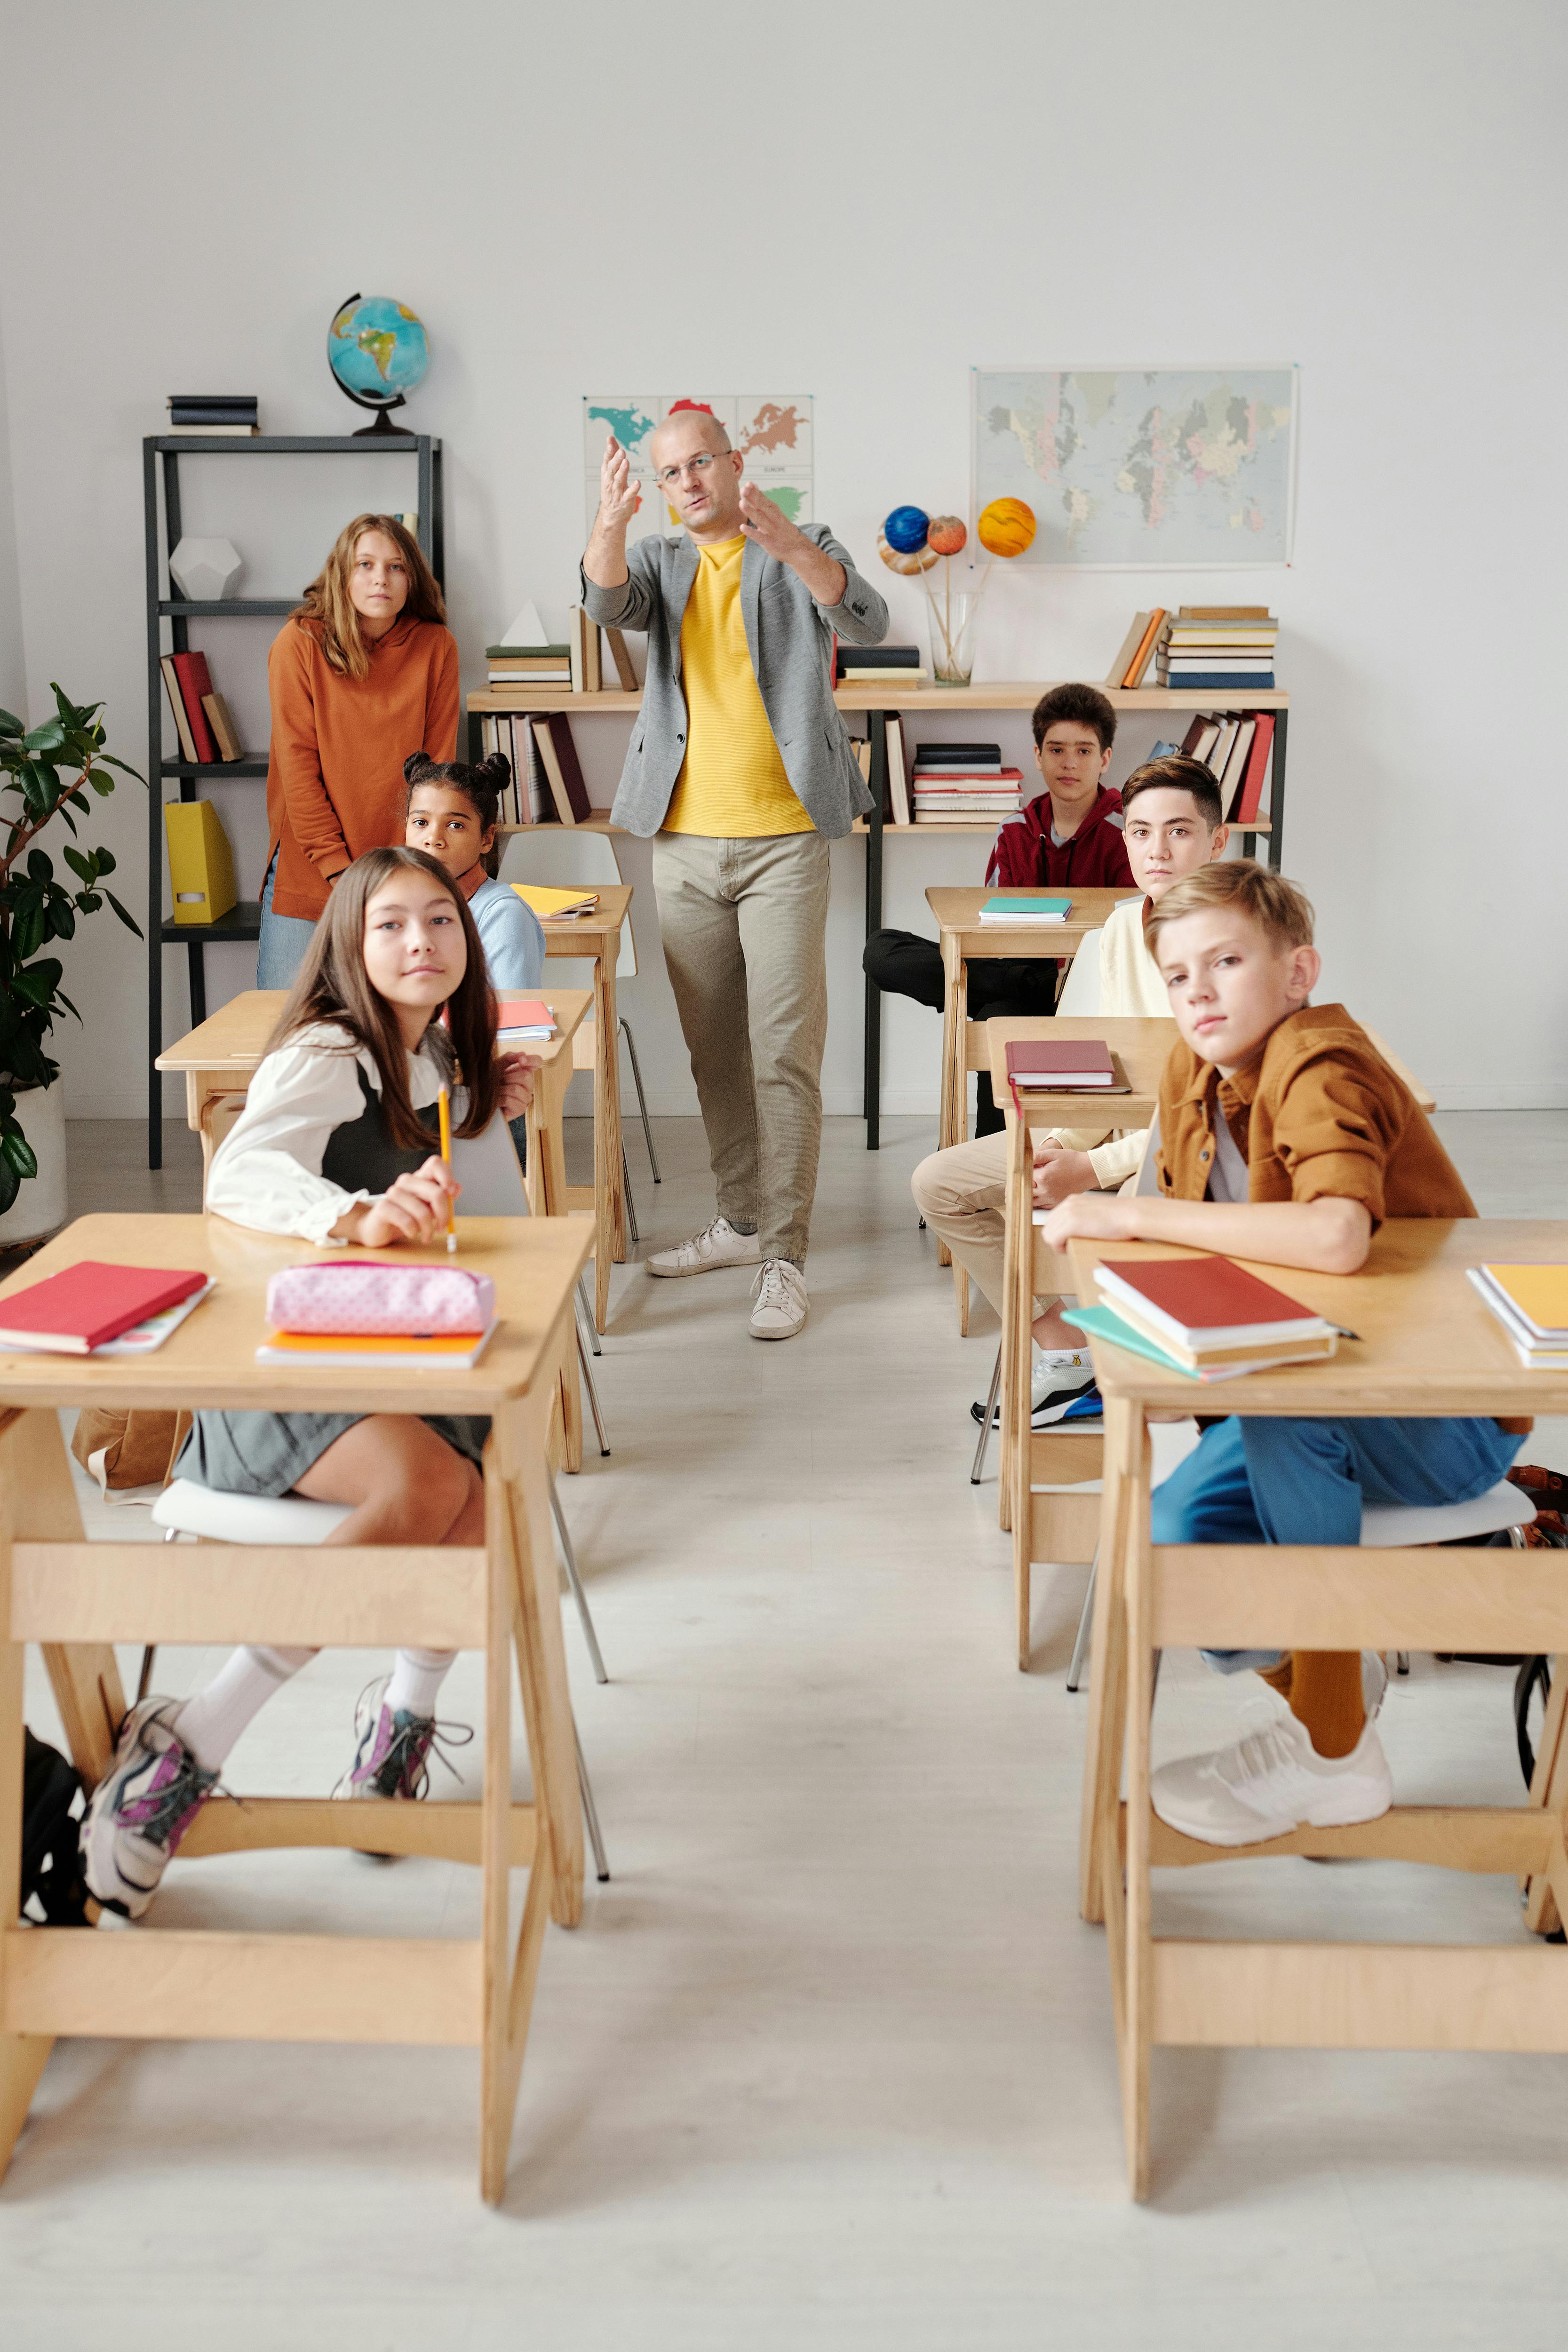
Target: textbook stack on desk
[
  {"x": 1228, "y": 647},
  {"x": 92, "y": 1308},
  {"x": 523, "y": 1017},
  {"x": 1531, "y": 1302},
  {"x": 1040, "y": 1066},
  {"x": 1205, "y": 1317},
  {"x": 1023, "y": 914}
]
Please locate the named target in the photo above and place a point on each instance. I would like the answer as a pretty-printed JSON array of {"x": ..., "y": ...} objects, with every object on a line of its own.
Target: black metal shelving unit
[{"x": 162, "y": 453}]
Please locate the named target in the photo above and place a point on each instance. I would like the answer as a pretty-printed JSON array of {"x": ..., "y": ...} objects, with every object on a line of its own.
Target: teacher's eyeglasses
[{"x": 668, "y": 475}]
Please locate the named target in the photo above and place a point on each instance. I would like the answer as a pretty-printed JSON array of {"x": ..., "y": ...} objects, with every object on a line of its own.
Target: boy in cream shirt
[{"x": 1172, "y": 813}]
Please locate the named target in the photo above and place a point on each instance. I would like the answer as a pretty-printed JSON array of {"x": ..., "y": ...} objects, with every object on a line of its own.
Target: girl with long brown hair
[
  {"x": 336, "y": 1143},
  {"x": 362, "y": 672}
]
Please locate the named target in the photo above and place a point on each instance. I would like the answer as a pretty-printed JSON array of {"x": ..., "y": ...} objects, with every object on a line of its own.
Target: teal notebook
[
  {"x": 1102, "y": 1323},
  {"x": 1041, "y": 910}
]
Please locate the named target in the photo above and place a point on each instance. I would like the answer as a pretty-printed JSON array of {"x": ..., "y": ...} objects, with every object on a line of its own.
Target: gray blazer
[{"x": 791, "y": 640}]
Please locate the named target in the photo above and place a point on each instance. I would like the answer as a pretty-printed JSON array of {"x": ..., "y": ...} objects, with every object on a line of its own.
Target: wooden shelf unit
[{"x": 161, "y": 453}]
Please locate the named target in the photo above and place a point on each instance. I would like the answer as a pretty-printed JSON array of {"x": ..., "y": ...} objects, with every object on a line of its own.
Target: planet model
[
  {"x": 909, "y": 560},
  {"x": 1006, "y": 527},
  {"x": 947, "y": 535},
  {"x": 905, "y": 530},
  {"x": 377, "y": 350}
]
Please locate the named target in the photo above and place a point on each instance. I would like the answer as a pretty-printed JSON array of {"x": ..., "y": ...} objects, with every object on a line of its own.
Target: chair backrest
[
  {"x": 1081, "y": 990},
  {"x": 560, "y": 856},
  {"x": 487, "y": 1168}
]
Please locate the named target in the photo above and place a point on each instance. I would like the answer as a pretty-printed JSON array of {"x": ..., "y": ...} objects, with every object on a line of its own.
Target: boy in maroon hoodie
[{"x": 1071, "y": 832}]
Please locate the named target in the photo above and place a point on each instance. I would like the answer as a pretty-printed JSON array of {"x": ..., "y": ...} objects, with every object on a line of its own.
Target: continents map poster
[
  {"x": 1145, "y": 467},
  {"x": 772, "y": 430}
]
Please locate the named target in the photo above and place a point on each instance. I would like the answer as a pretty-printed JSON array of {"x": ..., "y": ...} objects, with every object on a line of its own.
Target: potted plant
[{"x": 50, "y": 770}]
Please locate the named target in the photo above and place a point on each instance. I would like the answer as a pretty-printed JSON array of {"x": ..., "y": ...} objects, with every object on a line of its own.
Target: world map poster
[
  {"x": 1145, "y": 467},
  {"x": 771, "y": 431}
]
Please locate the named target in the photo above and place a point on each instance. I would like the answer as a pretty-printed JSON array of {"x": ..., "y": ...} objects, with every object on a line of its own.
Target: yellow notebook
[
  {"x": 548, "y": 904},
  {"x": 1538, "y": 1292},
  {"x": 201, "y": 866}
]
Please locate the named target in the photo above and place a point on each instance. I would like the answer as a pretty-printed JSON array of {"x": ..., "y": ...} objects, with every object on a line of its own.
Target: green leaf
[
  {"x": 40, "y": 865},
  {"x": 46, "y": 738},
  {"x": 129, "y": 920},
  {"x": 74, "y": 714},
  {"x": 89, "y": 901},
  {"x": 7, "y": 1104},
  {"x": 106, "y": 862},
  {"x": 10, "y": 1185},
  {"x": 29, "y": 933},
  {"x": 61, "y": 998},
  {"x": 103, "y": 761},
  {"x": 10, "y": 725},
  {"x": 85, "y": 867},
  {"x": 62, "y": 922},
  {"x": 34, "y": 984},
  {"x": 18, "y": 1154}
]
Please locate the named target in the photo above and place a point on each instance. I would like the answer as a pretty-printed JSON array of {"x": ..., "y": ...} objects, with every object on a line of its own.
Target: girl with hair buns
[
  {"x": 451, "y": 814},
  {"x": 364, "y": 666}
]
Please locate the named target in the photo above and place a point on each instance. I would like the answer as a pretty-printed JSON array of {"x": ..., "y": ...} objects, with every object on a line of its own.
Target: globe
[{"x": 377, "y": 350}]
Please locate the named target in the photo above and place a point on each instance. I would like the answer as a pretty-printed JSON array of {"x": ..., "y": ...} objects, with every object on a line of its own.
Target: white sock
[
  {"x": 416, "y": 1681},
  {"x": 210, "y": 1723},
  {"x": 1061, "y": 1359}
]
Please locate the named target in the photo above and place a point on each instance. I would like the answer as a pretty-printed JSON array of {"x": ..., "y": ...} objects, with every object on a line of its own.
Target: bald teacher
[{"x": 740, "y": 770}]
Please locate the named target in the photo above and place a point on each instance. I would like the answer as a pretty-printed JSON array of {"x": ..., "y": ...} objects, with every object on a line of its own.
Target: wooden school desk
[
  {"x": 598, "y": 938},
  {"x": 1046, "y": 1526},
  {"x": 1427, "y": 1347},
  {"x": 78, "y": 1598}
]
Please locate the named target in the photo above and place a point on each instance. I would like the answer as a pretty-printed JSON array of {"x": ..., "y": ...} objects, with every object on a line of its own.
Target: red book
[
  {"x": 1200, "y": 1295},
  {"x": 1036, "y": 1064},
  {"x": 1247, "y": 805},
  {"x": 72, "y": 1313},
  {"x": 195, "y": 679},
  {"x": 524, "y": 1013},
  {"x": 560, "y": 731}
]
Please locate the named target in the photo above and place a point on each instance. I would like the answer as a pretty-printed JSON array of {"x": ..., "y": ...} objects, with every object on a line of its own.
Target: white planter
[{"x": 40, "y": 1206}]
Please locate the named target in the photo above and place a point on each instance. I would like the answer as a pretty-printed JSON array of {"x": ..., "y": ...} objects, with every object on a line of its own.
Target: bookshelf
[
  {"x": 872, "y": 703},
  {"x": 161, "y": 456}
]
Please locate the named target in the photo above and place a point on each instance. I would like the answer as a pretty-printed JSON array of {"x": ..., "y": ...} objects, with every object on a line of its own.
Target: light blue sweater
[{"x": 511, "y": 936}]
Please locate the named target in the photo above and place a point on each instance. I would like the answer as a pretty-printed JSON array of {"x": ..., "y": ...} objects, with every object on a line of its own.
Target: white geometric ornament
[{"x": 203, "y": 570}]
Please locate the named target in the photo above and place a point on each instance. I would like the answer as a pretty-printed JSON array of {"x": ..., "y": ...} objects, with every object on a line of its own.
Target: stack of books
[
  {"x": 547, "y": 781},
  {"x": 1236, "y": 746},
  {"x": 208, "y": 413},
  {"x": 1028, "y": 914},
  {"x": 954, "y": 783},
  {"x": 1136, "y": 650},
  {"x": 530, "y": 669},
  {"x": 1205, "y": 1317},
  {"x": 1531, "y": 1302},
  {"x": 1073, "y": 1066},
  {"x": 202, "y": 722},
  {"x": 523, "y": 1020},
  {"x": 871, "y": 666},
  {"x": 1219, "y": 647},
  {"x": 93, "y": 1310}
]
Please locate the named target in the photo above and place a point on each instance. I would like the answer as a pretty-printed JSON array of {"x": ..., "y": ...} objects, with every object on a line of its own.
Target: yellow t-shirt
[{"x": 732, "y": 783}]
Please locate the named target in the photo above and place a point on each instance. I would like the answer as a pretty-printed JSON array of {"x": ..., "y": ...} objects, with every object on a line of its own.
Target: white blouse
[{"x": 267, "y": 1171}]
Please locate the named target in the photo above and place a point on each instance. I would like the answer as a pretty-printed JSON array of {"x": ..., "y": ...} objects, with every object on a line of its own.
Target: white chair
[
  {"x": 185, "y": 1509},
  {"x": 559, "y": 856}
]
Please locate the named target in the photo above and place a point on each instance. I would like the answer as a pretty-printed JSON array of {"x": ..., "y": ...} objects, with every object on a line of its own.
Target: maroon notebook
[
  {"x": 559, "y": 728},
  {"x": 79, "y": 1309},
  {"x": 1034, "y": 1063},
  {"x": 195, "y": 679},
  {"x": 1251, "y": 797},
  {"x": 1206, "y": 1294}
]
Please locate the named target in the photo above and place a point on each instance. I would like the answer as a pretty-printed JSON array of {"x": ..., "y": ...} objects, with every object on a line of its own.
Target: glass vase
[{"x": 952, "y": 612}]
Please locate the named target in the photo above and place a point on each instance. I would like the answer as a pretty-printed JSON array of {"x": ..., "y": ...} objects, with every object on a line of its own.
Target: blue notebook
[{"x": 1025, "y": 910}]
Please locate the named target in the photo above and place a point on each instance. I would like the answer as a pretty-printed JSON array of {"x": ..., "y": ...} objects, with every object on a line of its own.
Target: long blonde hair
[{"x": 328, "y": 603}]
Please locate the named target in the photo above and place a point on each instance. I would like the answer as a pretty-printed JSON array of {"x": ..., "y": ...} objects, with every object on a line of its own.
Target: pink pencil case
[{"x": 358, "y": 1297}]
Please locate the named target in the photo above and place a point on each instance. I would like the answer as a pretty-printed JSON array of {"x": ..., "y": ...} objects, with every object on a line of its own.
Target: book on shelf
[
  {"x": 1033, "y": 913},
  {"x": 551, "y": 731},
  {"x": 216, "y": 432},
  {"x": 1219, "y": 681},
  {"x": 525, "y": 683},
  {"x": 216, "y": 412},
  {"x": 1210, "y": 1315},
  {"x": 196, "y": 680},
  {"x": 1035, "y": 1065},
  {"x": 1224, "y": 613},
  {"x": 1236, "y": 766},
  {"x": 620, "y": 654},
  {"x": 222, "y": 726},
  {"x": 970, "y": 758},
  {"x": 1200, "y": 739},
  {"x": 1531, "y": 1302},
  {"x": 583, "y": 638},
  {"x": 1251, "y": 798},
  {"x": 85, "y": 1306},
  {"x": 875, "y": 658},
  {"x": 1137, "y": 649},
  {"x": 178, "y": 705},
  {"x": 1125, "y": 652},
  {"x": 897, "y": 773},
  {"x": 855, "y": 676},
  {"x": 201, "y": 864},
  {"x": 527, "y": 660}
]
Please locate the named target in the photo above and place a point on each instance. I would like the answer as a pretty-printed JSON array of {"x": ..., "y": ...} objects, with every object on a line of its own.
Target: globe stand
[{"x": 381, "y": 430}]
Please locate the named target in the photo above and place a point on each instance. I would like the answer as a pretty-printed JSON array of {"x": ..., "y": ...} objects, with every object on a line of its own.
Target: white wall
[
  {"x": 865, "y": 202},
  {"x": 13, "y": 681}
]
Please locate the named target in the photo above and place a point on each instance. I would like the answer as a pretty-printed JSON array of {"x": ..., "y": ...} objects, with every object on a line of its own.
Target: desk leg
[
  {"x": 1549, "y": 1788},
  {"x": 876, "y": 731},
  {"x": 1136, "y": 1953},
  {"x": 609, "y": 1183},
  {"x": 23, "y": 2057},
  {"x": 952, "y": 976},
  {"x": 1108, "y": 1679},
  {"x": 520, "y": 1432},
  {"x": 547, "y": 1198}
]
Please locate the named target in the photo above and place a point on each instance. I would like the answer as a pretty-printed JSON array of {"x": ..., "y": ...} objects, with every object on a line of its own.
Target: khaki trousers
[
  {"x": 961, "y": 1194},
  {"x": 744, "y": 926}
]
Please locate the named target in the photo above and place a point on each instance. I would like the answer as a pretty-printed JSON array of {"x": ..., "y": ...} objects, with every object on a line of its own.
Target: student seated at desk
[
  {"x": 451, "y": 814},
  {"x": 1170, "y": 810},
  {"x": 333, "y": 1145},
  {"x": 1070, "y": 833},
  {"x": 1284, "y": 1134}
]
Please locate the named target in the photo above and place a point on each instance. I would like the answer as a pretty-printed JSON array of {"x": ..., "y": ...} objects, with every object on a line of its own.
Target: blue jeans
[
  {"x": 284, "y": 939},
  {"x": 1303, "y": 1482}
]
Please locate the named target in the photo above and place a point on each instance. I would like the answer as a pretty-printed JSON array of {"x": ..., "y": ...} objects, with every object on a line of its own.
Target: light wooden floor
[{"x": 829, "y": 2064}]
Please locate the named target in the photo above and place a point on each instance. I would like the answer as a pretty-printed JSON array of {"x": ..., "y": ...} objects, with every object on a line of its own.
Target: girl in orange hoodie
[{"x": 364, "y": 672}]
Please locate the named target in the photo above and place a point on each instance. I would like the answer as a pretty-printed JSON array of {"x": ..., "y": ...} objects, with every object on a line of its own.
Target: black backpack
[{"x": 52, "y": 1882}]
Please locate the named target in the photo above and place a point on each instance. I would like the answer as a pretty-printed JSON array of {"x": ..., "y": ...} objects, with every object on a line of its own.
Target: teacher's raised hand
[
  {"x": 618, "y": 493},
  {"x": 773, "y": 533}
]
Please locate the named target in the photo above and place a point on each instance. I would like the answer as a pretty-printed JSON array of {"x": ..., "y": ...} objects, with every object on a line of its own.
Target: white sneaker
[
  {"x": 1272, "y": 1781},
  {"x": 716, "y": 1245},
  {"x": 779, "y": 1300}
]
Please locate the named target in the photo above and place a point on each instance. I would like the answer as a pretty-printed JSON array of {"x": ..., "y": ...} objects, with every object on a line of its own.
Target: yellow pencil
[{"x": 443, "y": 1100}]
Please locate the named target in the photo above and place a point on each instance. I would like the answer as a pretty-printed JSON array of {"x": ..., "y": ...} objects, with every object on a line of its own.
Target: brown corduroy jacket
[{"x": 334, "y": 775}]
